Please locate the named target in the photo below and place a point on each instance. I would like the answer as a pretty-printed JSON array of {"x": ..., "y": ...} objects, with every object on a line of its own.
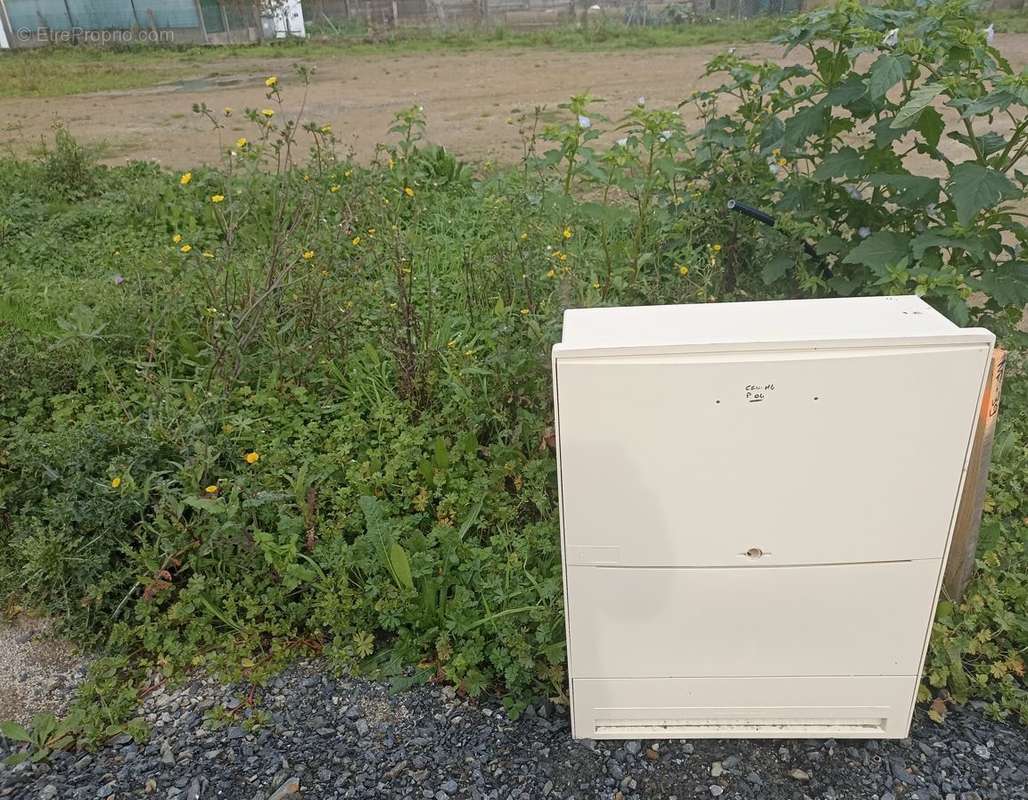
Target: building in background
[{"x": 31, "y": 23}]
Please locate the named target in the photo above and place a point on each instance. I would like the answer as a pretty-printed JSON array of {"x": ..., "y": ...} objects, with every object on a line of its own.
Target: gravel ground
[
  {"x": 344, "y": 738},
  {"x": 38, "y": 671}
]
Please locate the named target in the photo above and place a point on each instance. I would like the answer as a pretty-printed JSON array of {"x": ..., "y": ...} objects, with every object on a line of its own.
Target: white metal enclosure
[{"x": 756, "y": 502}]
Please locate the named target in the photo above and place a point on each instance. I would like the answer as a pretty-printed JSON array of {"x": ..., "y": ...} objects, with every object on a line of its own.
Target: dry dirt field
[{"x": 468, "y": 98}]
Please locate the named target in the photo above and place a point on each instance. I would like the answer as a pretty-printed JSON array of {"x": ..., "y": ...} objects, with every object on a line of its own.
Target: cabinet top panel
[{"x": 774, "y": 324}]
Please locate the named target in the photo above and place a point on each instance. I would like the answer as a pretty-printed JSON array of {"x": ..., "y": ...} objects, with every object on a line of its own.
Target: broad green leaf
[
  {"x": 211, "y": 506},
  {"x": 804, "y": 124},
  {"x": 879, "y": 250},
  {"x": 776, "y": 268},
  {"x": 971, "y": 244},
  {"x": 885, "y": 134},
  {"x": 931, "y": 125},
  {"x": 957, "y": 310},
  {"x": 1006, "y": 283},
  {"x": 985, "y": 105},
  {"x": 12, "y": 730},
  {"x": 400, "y": 564},
  {"x": 842, "y": 163},
  {"x": 441, "y": 455},
  {"x": 958, "y": 678},
  {"x": 885, "y": 73},
  {"x": 974, "y": 187},
  {"x": 918, "y": 101},
  {"x": 43, "y": 725},
  {"x": 915, "y": 190},
  {"x": 829, "y": 244},
  {"x": 375, "y": 519},
  {"x": 850, "y": 90}
]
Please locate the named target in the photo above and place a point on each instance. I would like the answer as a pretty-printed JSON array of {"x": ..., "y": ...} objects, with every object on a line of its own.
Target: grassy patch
[
  {"x": 66, "y": 70},
  {"x": 1010, "y": 21}
]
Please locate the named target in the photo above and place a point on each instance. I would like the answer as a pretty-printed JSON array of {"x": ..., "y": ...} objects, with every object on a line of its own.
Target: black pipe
[{"x": 767, "y": 219}]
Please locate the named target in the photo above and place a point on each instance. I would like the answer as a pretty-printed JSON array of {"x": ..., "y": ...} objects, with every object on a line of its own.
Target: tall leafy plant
[{"x": 897, "y": 143}]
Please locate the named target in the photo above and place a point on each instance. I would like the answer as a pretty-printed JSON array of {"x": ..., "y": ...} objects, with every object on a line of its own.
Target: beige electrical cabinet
[{"x": 756, "y": 502}]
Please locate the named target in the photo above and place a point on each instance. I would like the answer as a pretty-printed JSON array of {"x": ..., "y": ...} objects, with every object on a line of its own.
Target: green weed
[{"x": 294, "y": 404}]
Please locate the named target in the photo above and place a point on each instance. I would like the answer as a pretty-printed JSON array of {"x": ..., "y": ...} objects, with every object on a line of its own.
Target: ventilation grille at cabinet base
[{"x": 686, "y": 728}]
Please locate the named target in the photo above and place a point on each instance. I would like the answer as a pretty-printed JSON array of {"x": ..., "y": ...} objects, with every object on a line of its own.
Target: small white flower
[
  {"x": 584, "y": 121},
  {"x": 891, "y": 38},
  {"x": 731, "y": 51},
  {"x": 864, "y": 232},
  {"x": 990, "y": 33},
  {"x": 641, "y": 101},
  {"x": 853, "y": 192},
  {"x": 665, "y": 135},
  {"x": 622, "y": 142}
]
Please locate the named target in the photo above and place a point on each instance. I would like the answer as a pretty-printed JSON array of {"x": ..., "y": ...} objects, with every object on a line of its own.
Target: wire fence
[
  {"x": 29, "y": 23},
  {"x": 333, "y": 14}
]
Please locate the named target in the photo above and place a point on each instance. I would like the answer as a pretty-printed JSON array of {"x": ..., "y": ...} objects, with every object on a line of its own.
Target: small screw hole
[
  {"x": 718, "y": 402},
  {"x": 816, "y": 397}
]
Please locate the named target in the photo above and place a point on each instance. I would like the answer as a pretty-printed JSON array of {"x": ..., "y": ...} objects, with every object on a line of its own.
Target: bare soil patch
[
  {"x": 468, "y": 97},
  {"x": 38, "y": 670}
]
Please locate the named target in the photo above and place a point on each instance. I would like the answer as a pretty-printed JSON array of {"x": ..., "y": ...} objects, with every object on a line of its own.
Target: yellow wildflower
[
  {"x": 408, "y": 191},
  {"x": 326, "y": 129},
  {"x": 452, "y": 343},
  {"x": 348, "y": 173},
  {"x": 271, "y": 82},
  {"x": 185, "y": 178},
  {"x": 308, "y": 255},
  {"x": 525, "y": 312},
  {"x": 334, "y": 187},
  {"x": 253, "y": 457},
  {"x": 228, "y": 111},
  {"x": 217, "y": 198},
  {"x": 176, "y": 238},
  {"x": 241, "y": 143},
  {"x": 716, "y": 248},
  {"x": 683, "y": 270},
  {"x": 568, "y": 233},
  {"x": 551, "y": 274},
  {"x": 212, "y": 489},
  {"x": 267, "y": 112},
  {"x": 208, "y": 254},
  {"x": 115, "y": 482},
  {"x": 186, "y": 248},
  {"x": 371, "y": 231},
  {"x": 356, "y": 240}
]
